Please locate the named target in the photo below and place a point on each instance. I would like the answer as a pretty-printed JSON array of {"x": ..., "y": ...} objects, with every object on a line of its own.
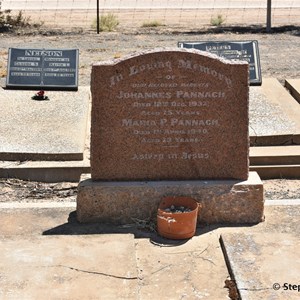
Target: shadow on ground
[
  {"x": 294, "y": 30},
  {"x": 73, "y": 227}
]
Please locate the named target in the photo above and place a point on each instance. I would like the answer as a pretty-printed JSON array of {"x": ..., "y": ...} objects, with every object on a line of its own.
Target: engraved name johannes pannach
[{"x": 170, "y": 111}]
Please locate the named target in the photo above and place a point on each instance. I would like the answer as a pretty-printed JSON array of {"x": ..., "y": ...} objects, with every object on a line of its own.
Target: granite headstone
[
  {"x": 170, "y": 114},
  {"x": 238, "y": 50},
  {"x": 55, "y": 69}
]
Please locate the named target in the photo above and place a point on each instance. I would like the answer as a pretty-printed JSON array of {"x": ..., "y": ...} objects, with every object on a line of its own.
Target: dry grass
[
  {"x": 153, "y": 23},
  {"x": 107, "y": 23}
]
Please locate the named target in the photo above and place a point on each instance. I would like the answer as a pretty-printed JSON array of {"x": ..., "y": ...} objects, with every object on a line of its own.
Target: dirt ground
[
  {"x": 279, "y": 57},
  {"x": 14, "y": 190},
  {"x": 279, "y": 51}
]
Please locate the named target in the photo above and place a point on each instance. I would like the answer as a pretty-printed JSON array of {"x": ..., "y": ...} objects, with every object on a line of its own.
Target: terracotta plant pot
[{"x": 174, "y": 225}]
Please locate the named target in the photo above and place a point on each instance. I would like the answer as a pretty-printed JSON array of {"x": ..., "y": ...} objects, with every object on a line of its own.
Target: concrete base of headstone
[{"x": 223, "y": 201}]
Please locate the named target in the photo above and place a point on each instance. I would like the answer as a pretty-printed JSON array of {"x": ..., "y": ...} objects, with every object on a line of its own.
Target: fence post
[
  {"x": 269, "y": 11},
  {"x": 98, "y": 21}
]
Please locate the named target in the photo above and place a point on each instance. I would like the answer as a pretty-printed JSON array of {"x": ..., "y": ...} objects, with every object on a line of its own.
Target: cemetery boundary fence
[{"x": 192, "y": 14}]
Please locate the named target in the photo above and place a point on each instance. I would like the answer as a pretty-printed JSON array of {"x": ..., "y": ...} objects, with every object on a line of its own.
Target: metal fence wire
[{"x": 134, "y": 13}]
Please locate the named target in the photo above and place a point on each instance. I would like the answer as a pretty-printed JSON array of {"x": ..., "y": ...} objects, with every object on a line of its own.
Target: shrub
[
  {"x": 219, "y": 20},
  {"x": 8, "y": 21},
  {"x": 107, "y": 22}
]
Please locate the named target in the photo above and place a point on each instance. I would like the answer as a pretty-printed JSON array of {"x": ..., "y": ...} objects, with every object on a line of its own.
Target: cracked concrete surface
[
  {"x": 45, "y": 252},
  {"x": 267, "y": 254},
  {"x": 192, "y": 270},
  {"x": 68, "y": 267}
]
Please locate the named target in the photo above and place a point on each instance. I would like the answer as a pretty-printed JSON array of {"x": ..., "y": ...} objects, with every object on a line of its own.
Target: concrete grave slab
[
  {"x": 68, "y": 267},
  {"x": 276, "y": 161},
  {"x": 264, "y": 266},
  {"x": 266, "y": 254},
  {"x": 45, "y": 171},
  {"x": 275, "y": 155},
  {"x": 43, "y": 130},
  {"x": 293, "y": 85},
  {"x": 223, "y": 201},
  {"x": 274, "y": 115},
  {"x": 21, "y": 219},
  {"x": 277, "y": 171},
  {"x": 170, "y": 114},
  {"x": 194, "y": 270}
]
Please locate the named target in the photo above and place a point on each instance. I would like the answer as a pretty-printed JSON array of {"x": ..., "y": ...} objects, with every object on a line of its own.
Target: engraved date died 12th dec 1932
[{"x": 171, "y": 106}]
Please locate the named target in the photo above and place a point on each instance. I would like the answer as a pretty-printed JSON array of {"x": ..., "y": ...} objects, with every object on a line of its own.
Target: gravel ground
[
  {"x": 279, "y": 52},
  {"x": 14, "y": 190},
  {"x": 279, "y": 56}
]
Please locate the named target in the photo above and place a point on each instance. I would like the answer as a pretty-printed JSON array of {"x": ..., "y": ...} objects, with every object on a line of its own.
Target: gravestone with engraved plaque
[
  {"x": 237, "y": 50},
  {"x": 170, "y": 115},
  {"x": 43, "y": 69},
  {"x": 161, "y": 119},
  {"x": 48, "y": 130}
]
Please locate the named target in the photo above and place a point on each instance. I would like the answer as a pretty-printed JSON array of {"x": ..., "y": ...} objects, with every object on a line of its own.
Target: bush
[
  {"x": 107, "y": 22},
  {"x": 8, "y": 21},
  {"x": 219, "y": 20}
]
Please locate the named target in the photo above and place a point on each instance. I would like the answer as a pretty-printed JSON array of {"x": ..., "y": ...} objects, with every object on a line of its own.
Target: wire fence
[{"x": 134, "y": 13}]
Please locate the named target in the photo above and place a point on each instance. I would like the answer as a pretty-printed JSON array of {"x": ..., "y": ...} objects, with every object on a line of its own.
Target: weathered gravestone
[
  {"x": 170, "y": 115},
  {"x": 170, "y": 122}
]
